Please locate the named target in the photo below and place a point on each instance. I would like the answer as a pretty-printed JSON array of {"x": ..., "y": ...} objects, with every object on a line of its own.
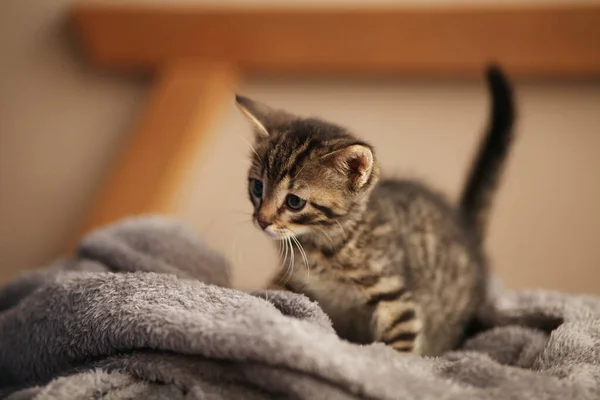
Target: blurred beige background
[{"x": 61, "y": 124}]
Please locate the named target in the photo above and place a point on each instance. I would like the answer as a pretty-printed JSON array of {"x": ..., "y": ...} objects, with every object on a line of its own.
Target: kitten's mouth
[
  {"x": 280, "y": 233},
  {"x": 277, "y": 235}
]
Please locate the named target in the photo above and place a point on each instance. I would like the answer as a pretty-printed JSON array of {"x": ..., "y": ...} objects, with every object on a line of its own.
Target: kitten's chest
[{"x": 342, "y": 299}]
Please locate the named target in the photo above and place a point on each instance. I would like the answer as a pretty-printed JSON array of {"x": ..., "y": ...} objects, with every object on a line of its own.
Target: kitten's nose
[{"x": 262, "y": 222}]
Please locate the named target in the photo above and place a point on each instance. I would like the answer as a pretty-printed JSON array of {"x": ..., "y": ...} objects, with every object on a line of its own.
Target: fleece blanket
[{"x": 144, "y": 310}]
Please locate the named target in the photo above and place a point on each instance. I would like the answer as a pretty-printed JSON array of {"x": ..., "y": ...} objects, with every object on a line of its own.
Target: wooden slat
[
  {"x": 552, "y": 41},
  {"x": 185, "y": 101}
]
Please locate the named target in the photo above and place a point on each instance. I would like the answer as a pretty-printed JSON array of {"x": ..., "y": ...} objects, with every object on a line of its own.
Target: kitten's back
[{"x": 441, "y": 262}]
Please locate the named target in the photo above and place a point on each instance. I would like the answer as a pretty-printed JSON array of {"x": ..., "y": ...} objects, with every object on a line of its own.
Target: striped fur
[{"x": 388, "y": 260}]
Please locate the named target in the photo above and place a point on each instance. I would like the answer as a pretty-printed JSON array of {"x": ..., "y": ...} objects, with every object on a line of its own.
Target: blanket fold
[{"x": 145, "y": 310}]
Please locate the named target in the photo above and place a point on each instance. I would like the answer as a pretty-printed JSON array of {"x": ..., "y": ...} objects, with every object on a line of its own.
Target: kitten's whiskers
[
  {"x": 342, "y": 228},
  {"x": 284, "y": 278},
  {"x": 292, "y": 261},
  {"x": 328, "y": 237},
  {"x": 290, "y": 265},
  {"x": 304, "y": 258},
  {"x": 298, "y": 173}
]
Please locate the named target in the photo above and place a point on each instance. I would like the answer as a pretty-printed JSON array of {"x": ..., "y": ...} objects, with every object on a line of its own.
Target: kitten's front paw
[{"x": 397, "y": 325}]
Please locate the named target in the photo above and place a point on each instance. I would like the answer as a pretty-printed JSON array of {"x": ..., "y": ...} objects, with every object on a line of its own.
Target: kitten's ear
[
  {"x": 263, "y": 118},
  {"x": 356, "y": 162}
]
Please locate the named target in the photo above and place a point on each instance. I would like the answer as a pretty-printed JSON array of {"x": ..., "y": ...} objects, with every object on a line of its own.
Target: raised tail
[{"x": 487, "y": 168}]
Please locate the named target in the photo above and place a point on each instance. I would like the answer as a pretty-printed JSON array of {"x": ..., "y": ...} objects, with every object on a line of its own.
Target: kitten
[{"x": 388, "y": 260}]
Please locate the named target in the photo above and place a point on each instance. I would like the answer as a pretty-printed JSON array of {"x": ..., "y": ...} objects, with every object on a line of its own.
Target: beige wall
[{"x": 60, "y": 125}]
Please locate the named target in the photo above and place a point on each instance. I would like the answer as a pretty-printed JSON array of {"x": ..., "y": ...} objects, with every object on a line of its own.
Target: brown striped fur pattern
[{"x": 388, "y": 260}]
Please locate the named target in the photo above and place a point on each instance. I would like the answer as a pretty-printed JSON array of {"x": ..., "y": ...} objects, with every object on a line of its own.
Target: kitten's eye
[
  {"x": 256, "y": 187},
  {"x": 294, "y": 202}
]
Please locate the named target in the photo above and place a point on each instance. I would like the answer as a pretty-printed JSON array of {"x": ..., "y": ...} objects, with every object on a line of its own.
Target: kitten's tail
[{"x": 487, "y": 168}]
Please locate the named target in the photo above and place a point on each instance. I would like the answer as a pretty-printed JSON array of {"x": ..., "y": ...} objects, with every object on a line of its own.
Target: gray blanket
[{"x": 143, "y": 311}]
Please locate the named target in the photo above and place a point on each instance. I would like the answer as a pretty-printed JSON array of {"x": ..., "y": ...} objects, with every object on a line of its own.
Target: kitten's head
[{"x": 306, "y": 175}]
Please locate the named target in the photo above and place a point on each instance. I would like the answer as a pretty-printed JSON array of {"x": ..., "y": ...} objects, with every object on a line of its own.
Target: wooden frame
[
  {"x": 192, "y": 49},
  {"x": 553, "y": 41},
  {"x": 184, "y": 103}
]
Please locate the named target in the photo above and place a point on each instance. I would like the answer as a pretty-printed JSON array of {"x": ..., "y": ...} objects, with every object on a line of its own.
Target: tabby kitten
[{"x": 388, "y": 260}]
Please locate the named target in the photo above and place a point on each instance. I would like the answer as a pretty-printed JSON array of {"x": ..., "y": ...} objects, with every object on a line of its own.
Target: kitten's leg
[
  {"x": 396, "y": 324},
  {"x": 395, "y": 321}
]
